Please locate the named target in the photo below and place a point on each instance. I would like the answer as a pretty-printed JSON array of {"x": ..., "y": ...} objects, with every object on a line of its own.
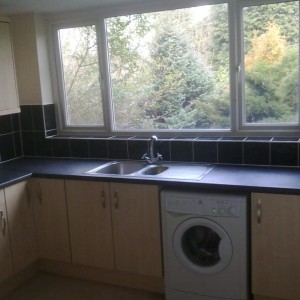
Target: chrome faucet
[{"x": 151, "y": 158}]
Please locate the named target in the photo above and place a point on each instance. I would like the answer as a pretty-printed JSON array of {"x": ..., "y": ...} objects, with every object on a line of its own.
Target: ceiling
[{"x": 10, "y": 7}]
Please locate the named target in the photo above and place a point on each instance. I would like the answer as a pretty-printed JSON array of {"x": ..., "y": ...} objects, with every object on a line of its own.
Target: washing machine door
[{"x": 202, "y": 245}]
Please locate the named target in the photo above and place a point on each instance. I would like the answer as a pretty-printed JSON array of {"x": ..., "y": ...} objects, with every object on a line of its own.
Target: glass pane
[
  {"x": 201, "y": 244},
  {"x": 170, "y": 69},
  {"x": 83, "y": 102},
  {"x": 271, "y": 57}
]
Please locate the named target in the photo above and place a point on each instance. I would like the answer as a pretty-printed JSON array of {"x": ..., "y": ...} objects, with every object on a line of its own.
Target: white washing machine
[{"x": 205, "y": 244}]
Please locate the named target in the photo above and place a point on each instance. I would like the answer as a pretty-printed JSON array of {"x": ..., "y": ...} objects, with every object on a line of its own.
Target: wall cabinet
[
  {"x": 21, "y": 225},
  {"x": 6, "y": 269},
  {"x": 51, "y": 219},
  {"x": 115, "y": 225},
  {"x": 8, "y": 85},
  {"x": 275, "y": 246}
]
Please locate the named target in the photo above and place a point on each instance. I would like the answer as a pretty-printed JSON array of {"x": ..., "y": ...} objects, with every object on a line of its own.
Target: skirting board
[{"x": 12, "y": 283}]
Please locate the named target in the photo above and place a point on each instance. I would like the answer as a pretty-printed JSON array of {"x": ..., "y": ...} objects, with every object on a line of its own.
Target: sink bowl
[
  {"x": 181, "y": 171},
  {"x": 118, "y": 168},
  {"x": 154, "y": 170}
]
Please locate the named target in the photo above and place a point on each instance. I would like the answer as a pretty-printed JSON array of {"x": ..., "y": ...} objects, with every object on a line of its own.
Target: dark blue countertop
[{"x": 221, "y": 177}]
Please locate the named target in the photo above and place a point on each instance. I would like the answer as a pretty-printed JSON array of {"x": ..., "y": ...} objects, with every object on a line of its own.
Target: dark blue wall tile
[
  {"x": 61, "y": 147},
  {"x": 137, "y": 148},
  {"x": 163, "y": 147},
  {"x": 230, "y": 152},
  {"x": 16, "y": 125},
  {"x": 18, "y": 144},
  {"x": 79, "y": 148},
  {"x": 28, "y": 143},
  {"x": 6, "y": 124},
  {"x": 98, "y": 148},
  {"x": 49, "y": 113},
  {"x": 284, "y": 154},
  {"x": 26, "y": 117},
  {"x": 206, "y": 151},
  {"x": 182, "y": 151},
  {"x": 7, "y": 149},
  {"x": 117, "y": 149},
  {"x": 43, "y": 145},
  {"x": 38, "y": 118},
  {"x": 257, "y": 153}
]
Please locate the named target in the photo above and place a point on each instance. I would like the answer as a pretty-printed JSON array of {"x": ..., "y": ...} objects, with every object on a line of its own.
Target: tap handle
[
  {"x": 145, "y": 156},
  {"x": 154, "y": 138},
  {"x": 159, "y": 156}
]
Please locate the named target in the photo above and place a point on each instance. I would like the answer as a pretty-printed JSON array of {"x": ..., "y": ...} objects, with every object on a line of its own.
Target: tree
[
  {"x": 271, "y": 79},
  {"x": 81, "y": 76},
  {"x": 269, "y": 47},
  {"x": 179, "y": 79}
]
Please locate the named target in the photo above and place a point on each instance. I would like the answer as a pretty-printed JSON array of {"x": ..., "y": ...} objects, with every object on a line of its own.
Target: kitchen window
[{"x": 221, "y": 67}]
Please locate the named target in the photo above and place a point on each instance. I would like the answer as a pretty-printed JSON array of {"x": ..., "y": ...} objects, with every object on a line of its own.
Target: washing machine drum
[{"x": 202, "y": 245}]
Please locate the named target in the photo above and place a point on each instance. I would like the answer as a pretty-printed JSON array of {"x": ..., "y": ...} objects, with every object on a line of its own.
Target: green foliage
[
  {"x": 272, "y": 90},
  {"x": 285, "y": 15},
  {"x": 179, "y": 78},
  {"x": 80, "y": 64},
  {"x": 122, "y": 33}
]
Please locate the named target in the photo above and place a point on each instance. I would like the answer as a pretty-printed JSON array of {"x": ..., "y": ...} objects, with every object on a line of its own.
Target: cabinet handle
[
  {"x": 116, "y": 198},
  {"x": 3, "y": 222},
  {"x": 103, "y": 199},
  {"x": 258, "y": 212},
  {"x": 40, "y": 197}
]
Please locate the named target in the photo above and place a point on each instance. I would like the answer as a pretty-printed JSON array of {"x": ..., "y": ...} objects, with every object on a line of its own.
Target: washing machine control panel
[{"x": 204, "y": 206}]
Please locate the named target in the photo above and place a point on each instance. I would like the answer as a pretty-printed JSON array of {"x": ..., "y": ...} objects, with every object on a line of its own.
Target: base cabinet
[
  {"x": 6, "y": 269},
  {"x": 51, "y": 219},
  {"x": 106, "y": 232},
  {"x": 275, "y": 246},
  {"x": 115, "y": 226},
  {"x": 136, "y": 228},
  {"x": 21, "y": 225},
  {"x": 90, "y": 223}
]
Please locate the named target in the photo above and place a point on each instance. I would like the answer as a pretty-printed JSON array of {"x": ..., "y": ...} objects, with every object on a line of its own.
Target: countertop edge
[{"x": 222, "y": 178}]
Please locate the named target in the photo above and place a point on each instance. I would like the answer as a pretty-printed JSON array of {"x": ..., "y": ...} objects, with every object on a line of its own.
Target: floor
[{"x": 45, "y": 287}]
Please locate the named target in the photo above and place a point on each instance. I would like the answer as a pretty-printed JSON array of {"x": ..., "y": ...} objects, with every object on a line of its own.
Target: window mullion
[
  {"x": 234, "y": 65},
  {"x": 104, "y": 76}
]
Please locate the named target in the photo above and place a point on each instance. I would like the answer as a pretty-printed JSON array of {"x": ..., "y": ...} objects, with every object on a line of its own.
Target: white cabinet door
[
  {"x": 6, "y": 268},
  {"x": 136, "y": 228},
  {"x": 51, "y": 219},
  {"x": 90, "y": 223},
  {"x": 275, "y": 246},
  {"x": 21, "y": 225},
  {"x": 9, "y": 101}
]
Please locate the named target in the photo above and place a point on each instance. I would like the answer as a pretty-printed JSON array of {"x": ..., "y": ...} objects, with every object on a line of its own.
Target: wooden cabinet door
[
  {"x": 90, "y": 223},
  {"x": 21, "y": 225},
  {"x": 50, "y": 212},
  {"x": 8, "y": 88},
  {"x": 6, "y": 267},
  {"x": 136, "y": 228},
  {"x": 276, "y": 245}
]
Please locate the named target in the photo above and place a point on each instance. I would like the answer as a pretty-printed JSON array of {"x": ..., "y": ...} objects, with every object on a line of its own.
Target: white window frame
[
  {"x": 259, "y": 128},
  {"x": 236, "y": 71}
]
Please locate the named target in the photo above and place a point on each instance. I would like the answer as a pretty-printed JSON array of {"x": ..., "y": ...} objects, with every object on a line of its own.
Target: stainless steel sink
[
  {"x": 154, "y": 170},
  {"x": 181, "y": 171},
  {"x": 118, "y": 168},
  {"x": 140, "y": 169}
]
